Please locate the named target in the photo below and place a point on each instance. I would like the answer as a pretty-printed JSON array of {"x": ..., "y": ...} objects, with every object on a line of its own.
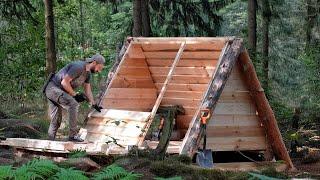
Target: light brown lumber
[
  {"x": 182, "y": 62},
  {"x": 183, "y": 121},
  {"x": 132, "y": 82},
  {"x": 204, "y": 71},
  {"x": 236, "y": 143},
  {"x": 141, "y": 103},
  {"x": 173, "y": 148},
  {"x": 164, "y": 88},
  {"x": 186, "y": 55},
  {"x": 121, "y": 114},
  {"x": 235, "y": 96},
  {"x": 135, "y": 51},
  {"x": 135, "y": 62},
  {"x": 183, "y": 79},
  {"x": 127, "y": 93},
  {"x": 167, "y": 101},
  {"x": 235, "y": 131},
  {"x": 122, "y": 141},
  {"x": 227, "y": 60},
  {"x": 183, "y": 94},
  {"x": 191, "y": 46},
  {"x": 264, "y": 110},
  {"x": 130, "y": 130},
  {"x": 234, "y": 120},
  {"x": 134, "y": 71},
  {"x": 235, "y": 108},
  {"x": 183, "y": 87},
  {"x": 180, "y": 39}
]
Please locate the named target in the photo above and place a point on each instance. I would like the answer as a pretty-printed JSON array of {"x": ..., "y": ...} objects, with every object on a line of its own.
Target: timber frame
[{"x": 192, "y": 72}]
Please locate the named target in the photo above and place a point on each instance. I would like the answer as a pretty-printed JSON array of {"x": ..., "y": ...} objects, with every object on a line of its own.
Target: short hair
[{"x": 97, "y": 57}]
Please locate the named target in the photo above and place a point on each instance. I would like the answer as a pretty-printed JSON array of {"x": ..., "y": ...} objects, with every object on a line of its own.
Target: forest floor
[{"x": 307, "y": 161}]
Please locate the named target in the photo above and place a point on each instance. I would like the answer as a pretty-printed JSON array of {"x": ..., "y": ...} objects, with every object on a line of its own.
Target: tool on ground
[{"x": 204, "y": 156}]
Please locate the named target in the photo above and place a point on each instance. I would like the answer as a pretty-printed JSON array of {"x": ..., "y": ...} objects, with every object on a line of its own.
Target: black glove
[
  {"x": 96, "y": 107},
  {"x": 80, "y": 97}
]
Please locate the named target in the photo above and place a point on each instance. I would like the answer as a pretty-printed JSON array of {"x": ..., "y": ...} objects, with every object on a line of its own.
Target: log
[
  {"x": 227, "y": 61},
  {"x": 265, "y": 112}
]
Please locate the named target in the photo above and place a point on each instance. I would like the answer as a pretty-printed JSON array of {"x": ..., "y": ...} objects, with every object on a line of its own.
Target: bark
[
  {"x": 51, "y": 65},
  {"x": 145, "y": 18},
  {"x": 312, "y": 14},
  {"x": 81, "y": 26},
  {"x": 264, "y": 110},
  {"x": 192, "y": 139},
  {"x": 266, "y": 15},
  {"x": 252, "y": 29},
  {"x": 137, "y": 22}
]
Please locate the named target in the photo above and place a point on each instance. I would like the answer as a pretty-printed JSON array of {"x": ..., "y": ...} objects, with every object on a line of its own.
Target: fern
[
  {"x": 36, "y": 169},
  {"x": 6, "y": 172},
  {"x": 115, "y": 172},
  {"x": 69, "y": 174},
  {"x": 171, "y": 178},
  {"x": 78, "y": 153}
]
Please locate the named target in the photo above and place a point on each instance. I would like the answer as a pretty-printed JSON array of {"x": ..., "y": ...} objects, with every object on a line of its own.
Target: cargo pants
[{"x": 59, "y": 99}]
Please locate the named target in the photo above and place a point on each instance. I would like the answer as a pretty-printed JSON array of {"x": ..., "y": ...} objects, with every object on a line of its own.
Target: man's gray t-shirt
[{"x": 77, "y": 71}]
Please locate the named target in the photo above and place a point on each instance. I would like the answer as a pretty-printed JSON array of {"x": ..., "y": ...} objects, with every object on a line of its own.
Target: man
[{"x": 60, "y": 90}]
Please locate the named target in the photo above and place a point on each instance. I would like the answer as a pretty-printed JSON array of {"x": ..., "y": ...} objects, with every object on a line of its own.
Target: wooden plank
[
  {"x": 134, "y": 71},
  {"x": 182, "y": 62},
  {"x": 134, "y": 62},
  {"x": 234, "y": 85},
  {"x": 234, "y": 120},
  {"x": 183, "y": 87},
  {"x": 167, "y": 101},
  {"x": 173, "y": 147},
  {"x": 120, "y": 114},
  {"x": 164, "y": 88},
  {"x": 233, "y": 108},
  {"x": 204, "y": 71},
  {"x": 135, "y": 51},
  {"x": 236, "y": 143},
  {"x": 186, "y": 55},
  {"x": 131, "y": 130},
  {"x": 192, "y": 46},
  {"x": 143, "y": 103},
  {"x": 184, "y": 94},
  {"x": 235, "y": 96},
  {"x": 235, "y": 131},
  {"x": 183, "y": 79},
  {"x": 124, "y": 141},
  {"x": 129, "y": 82},
  {"x": 180, "y": 39},
  {"x": 128, "y": 93}
]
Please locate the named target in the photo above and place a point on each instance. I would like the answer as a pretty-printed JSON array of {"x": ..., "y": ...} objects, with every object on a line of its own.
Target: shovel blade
[{"x": 204, "y": 158}]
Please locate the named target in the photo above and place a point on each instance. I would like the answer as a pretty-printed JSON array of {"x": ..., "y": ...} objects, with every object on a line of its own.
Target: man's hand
[
  {"x": 97, "y": 108},
  {"x": 80, "y": 97}
]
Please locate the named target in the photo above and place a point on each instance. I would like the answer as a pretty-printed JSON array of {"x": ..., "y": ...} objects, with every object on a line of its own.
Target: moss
[
  {"x": 272, "y": 172},
  {"x": 181, "y": 158}
]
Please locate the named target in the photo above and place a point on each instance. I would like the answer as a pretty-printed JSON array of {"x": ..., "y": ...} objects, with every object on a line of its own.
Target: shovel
[{"x": 204, "y": 156}]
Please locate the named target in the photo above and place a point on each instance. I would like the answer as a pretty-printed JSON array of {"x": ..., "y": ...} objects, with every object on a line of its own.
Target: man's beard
[{"x": 92, "y": 71}]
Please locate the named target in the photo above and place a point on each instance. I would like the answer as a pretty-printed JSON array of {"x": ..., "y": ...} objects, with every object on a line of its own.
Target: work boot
[{"x": 75, "y": 139}]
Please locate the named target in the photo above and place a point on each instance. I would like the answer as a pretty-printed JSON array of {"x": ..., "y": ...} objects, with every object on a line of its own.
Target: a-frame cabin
[{"x": 197, "y": 73}]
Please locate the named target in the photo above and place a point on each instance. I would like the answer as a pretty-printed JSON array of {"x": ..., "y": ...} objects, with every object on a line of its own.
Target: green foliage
[
  {"x": 260, "y": 177},
  {"x": 36, "y": 169},
  {"x": 78, "y": 153},
  {"x": 69, "y": 174},
  {"x": 115, "y": 172},
  {"x": 6, "y": 172}
]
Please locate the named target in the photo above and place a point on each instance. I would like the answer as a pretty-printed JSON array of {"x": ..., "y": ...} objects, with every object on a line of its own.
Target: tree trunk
[
  {"x": 310, "y": 20},
  {"x": 82, "y": 27},
  {"x": 252, "y": 29},
  {"x": 145, "y": 18},
  {"x": 192, "y": 138},
  {"x": 266, "y": 15},
  {"x": 264, "y": 110},
  {"x": 51, "y": 65},
  {"x": 137, "y": 22}
]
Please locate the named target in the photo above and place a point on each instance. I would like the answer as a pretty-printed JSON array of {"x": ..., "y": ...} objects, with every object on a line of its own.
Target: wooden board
[
  {"x": 186, "y": 55},
  {"x": 134, "y": 71},
  {"x": 135, "y": 51},
  {"x": 173, "y": 147},
  {"x": 234, "y": 120},
  {"x": 232, "y": 108},
  {"x": 119, "y": 114},
  {"x": 131, "y": 93},
  {"x": 183, "y": 87},
  {"x": 183, "y": 121},
  {"x": 235, "y": 131},
  {"x": 182, "y": 62},
  {"x": 192, "y": 46},
  {"x": 128, "y": 130},
  {"x": 134, "y": 62},
  {"x": 172, "y": 40},
  {"x": 235, "y": 96},
  {"x": 184, "y": 94},
  {"x": 203, "y": 71},
  {"x": 124, "y": 141},
  {"x": 132, "y": 82},
  {"x": 236, "y": 143},
  {"x": 167, "y": 101},
  {"x": 183, "y": 79},
  {"x": 139, "y": 103}
]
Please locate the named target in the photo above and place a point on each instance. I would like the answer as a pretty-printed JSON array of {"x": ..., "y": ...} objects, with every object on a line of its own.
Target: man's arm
[
  {"x": 67, "y": 86},
  {"x": 88, "y": 92}
]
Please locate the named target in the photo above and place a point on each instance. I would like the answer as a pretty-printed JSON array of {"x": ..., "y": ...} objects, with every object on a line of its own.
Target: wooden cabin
[{"x": 196, "y": 73}]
